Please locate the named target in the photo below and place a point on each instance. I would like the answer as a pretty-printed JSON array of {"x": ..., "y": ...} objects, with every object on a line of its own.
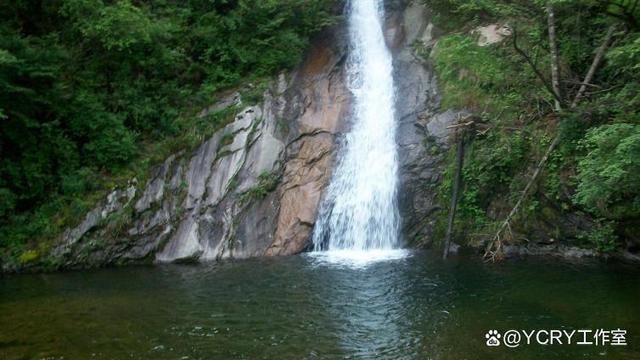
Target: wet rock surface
[
  {"x": 422, "y": 133},
  {"x": 563, "y": 251}
]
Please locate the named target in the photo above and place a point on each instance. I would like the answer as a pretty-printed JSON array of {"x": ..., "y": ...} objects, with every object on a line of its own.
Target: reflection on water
[
  {"x": 413, "y": 306},
  {"x": 366, "y": 304}
]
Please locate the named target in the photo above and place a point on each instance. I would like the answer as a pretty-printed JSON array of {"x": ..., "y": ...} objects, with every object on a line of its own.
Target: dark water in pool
[{"x": 295, "y": 308}]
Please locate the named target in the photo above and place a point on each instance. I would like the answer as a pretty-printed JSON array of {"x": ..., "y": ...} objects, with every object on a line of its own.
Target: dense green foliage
[
  {"x": 90, "y": 88},
  {"x": 594, "y": 172},
  {"x": 609, "y": 175}
]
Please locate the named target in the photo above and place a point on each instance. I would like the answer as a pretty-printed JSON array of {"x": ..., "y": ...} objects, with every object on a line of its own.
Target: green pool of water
[{"x": 417, "y": 307}]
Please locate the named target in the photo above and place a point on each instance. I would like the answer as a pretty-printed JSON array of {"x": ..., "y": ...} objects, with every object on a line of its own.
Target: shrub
[
  {"x": 602, "y": 236},
  {"x": 608, "y": 180}
]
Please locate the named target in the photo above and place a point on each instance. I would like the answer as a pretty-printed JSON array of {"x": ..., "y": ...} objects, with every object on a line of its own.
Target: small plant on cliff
[
  {"x": 266, "y": 184},
  {"x": 227, "y": 139},
  {"x": 117, "y": 223},
  {"x": 29, "y": 256},
  {"x": 233, "y": 184},
  {"x": 254, "y": 92}
]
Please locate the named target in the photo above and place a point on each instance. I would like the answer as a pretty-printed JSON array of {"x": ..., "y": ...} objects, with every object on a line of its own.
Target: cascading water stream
[{"x": 359, "y": 213}]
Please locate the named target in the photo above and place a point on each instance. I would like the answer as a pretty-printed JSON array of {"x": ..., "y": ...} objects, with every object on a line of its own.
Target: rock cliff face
[
  {"x": 422, "y": 129},
  {"x": 253, "y": 188}
]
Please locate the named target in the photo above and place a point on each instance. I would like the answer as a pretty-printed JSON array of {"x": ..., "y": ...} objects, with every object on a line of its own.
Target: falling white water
[{"x": 359, "y": 216}]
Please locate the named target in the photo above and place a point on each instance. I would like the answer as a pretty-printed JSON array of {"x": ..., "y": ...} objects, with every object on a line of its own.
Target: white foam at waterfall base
[
  {"x": 358, "y": 258},
  {"x": 358, "y": 219}
]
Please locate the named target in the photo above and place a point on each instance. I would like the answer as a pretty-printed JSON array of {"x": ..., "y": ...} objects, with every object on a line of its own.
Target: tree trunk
[
  {"x": 454, "y": 194},
  {"x": 594, "y": 65},
  {"x": 555, "y": 67}
]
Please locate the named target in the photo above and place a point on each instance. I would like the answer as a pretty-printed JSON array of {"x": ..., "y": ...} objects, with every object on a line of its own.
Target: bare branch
[
  {"x": 495, "y": 246},
  {"x": 459, "y": 125},
  {"x": 594, "y": 65}
]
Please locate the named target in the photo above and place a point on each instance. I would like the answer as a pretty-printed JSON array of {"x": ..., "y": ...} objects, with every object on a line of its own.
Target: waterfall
[{"x": 359, "y": 212}]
